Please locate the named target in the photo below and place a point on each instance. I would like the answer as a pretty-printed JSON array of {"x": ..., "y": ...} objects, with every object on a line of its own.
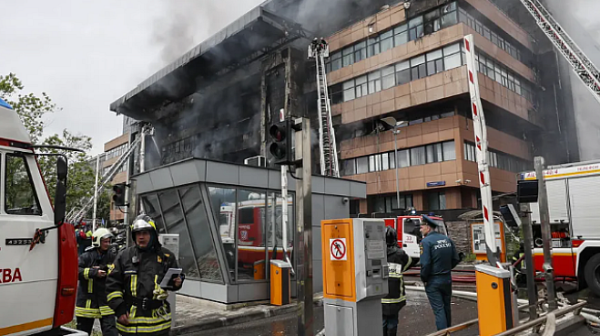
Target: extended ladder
[
  {"x": 583, "y": 67},
  {"x": 76, "y": 215},
  {"x": 327, "y": 144}
]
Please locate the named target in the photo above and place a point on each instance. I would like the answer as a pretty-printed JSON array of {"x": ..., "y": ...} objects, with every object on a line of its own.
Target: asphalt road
[{"x": 416, "y": 319}]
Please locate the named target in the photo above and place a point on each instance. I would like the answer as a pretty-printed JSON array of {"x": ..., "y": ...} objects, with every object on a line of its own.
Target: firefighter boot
[{"x": 392, "y": 332}]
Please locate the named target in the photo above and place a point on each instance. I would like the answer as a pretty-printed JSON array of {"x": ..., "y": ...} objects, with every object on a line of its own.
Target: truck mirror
[
  {"x": 60, "y": 196},
  {"x": 61, "y": 169}
]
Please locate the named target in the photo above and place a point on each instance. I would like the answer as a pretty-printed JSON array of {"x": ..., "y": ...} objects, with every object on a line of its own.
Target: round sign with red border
[{"x": 337, "y": 249}]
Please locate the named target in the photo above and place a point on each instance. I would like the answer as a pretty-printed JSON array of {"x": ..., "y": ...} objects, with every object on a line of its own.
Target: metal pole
[
  {"x": 143, "y": 158},
  {"x": 126, "y": 215},
  {"x": 96, "y": 193},
  {"x": 304, "y": 231},
  {"x": 546, "y": 234},
  {"x": 528, "y": 247},
  {"x": 396, "y": 131}
]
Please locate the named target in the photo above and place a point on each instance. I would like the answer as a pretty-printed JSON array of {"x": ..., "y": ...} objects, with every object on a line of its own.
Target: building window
[
  {"x": 434, "y": 153},
  {"x": 401, "y": 35},
  {"x": 387, "y": 40},
  {"x": 373, "y": 46},
  {"x": 336, "y": 61},
  {"x": 498, "y": 159},
  {"x": 349, "y": 90},
  {"x": 350, "y": 167},
  {"x": 489, "y": 34},
  {"x": 389, "y": 204},
  {"x": 435, "y": 62},
  {"x": 404, "y": 158},
  {"x": 449, "y": 150},
  {"x": 348, "y": 56},
  {"x": 415, "y": 28},
  {"x": 361, "y": 86},
  {"x": 502, "y": 75},
  {"x": 388, "y": 79},
  {"x": 360, "y": 51},
  {"x": 417, "y": 67},
  {"x": 374, "y": 82},
  {"x": 417, "y": 156},
  {"x": 437, "y": 200},
  {"x": 403, "y": 73},
  {"x": 362, "y": 165}
]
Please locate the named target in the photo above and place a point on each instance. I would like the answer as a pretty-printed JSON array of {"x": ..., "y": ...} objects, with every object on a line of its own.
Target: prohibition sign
[{"x": 337, "y": 249}]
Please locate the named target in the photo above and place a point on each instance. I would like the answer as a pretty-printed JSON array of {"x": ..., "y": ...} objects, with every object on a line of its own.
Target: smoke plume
[{"x": 186, "y": 23}]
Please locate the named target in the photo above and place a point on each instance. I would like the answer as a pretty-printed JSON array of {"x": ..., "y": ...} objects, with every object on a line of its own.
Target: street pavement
[{"x": 416, "y": 318}]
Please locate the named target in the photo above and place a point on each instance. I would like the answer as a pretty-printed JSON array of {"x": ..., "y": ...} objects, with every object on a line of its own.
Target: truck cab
[
  {"x": 37, "y": 281},
  {"x": 409, "y": 233}
]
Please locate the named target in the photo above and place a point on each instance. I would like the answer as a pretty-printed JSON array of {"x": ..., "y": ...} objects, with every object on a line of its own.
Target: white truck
[
  {"x": 38, "y": 252},
  {"x": 574, "y": 205}
]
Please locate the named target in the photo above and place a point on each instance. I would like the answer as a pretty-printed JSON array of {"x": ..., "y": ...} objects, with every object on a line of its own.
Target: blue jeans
[
  {"x": 439, "y": 293},
  {"x": 390, "y": 322}
]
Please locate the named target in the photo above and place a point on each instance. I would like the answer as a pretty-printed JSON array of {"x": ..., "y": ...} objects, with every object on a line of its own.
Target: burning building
[{"x": 388, "y": 59}]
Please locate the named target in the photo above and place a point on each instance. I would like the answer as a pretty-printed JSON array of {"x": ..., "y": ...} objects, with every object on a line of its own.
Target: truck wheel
[{"x": 592, "y": 274}]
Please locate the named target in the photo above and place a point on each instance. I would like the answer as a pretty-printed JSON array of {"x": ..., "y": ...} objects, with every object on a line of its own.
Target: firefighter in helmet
[
  {"x": 94, "y": 265},
  {"x": 398, "y": 262},
  {"x": 133, "y": 286}
]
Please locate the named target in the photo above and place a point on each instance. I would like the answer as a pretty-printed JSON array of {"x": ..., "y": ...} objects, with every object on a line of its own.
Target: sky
[{"x": 87, "y": 54}]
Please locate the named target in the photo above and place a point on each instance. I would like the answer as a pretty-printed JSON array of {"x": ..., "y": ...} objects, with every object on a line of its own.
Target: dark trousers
[
  {"x": 390, "y": 325},
  {"x": 107, "y": 323},
  {"x": 439, "y": 293}
]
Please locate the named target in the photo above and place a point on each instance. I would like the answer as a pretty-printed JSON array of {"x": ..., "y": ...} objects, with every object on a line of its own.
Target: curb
[{"x": 219, "y": 322}]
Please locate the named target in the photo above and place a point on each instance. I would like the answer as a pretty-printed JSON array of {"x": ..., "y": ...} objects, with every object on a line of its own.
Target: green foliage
[
  {"x": 31, "y": 109},
  {"x": 103, "y": 210},
  {"x": 470, "y": 258}
]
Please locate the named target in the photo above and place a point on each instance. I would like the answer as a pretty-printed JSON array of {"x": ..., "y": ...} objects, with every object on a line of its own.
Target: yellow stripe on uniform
[
  {"x": 86, "y": 273},
  {"x": 88, "y": 312},
  {"x": 114, "y": 295},
  {"x": 91, "y": 286},
  {"x": 134, "y": 285},
  {"x": 106, "y": 311},
  {"x": 132, "y": 329}
]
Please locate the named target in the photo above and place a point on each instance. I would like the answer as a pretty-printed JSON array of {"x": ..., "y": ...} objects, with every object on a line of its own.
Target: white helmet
[{"x": 100, "y": 234}]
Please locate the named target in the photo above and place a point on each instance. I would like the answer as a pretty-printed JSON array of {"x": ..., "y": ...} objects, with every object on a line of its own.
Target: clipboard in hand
[{"x": 167, "y": 281}]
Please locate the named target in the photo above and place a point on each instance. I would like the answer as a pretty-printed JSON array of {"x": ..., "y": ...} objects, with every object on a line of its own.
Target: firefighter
[
  {"x": 94, "y": 265},
  {"x": 84, "y": 238},
  {"x": 398, "y": 262},
  {"x": 438, "y": 258},
  {"x": 133, "y": 286}
]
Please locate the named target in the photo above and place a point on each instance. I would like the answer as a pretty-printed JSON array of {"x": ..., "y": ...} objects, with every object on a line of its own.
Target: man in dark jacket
[
  {"x": 398, "y": 262},
  {"x": 94, "y": 265},
  {"x": 133, "y": 286},
  {"x": 438, "y": 258}
]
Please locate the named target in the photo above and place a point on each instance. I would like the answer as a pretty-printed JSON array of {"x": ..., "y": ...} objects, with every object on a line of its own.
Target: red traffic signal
[{"x": 281, "y": 146}]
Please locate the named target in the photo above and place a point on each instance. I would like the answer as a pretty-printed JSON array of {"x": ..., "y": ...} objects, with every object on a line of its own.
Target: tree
[{"x": 31, "y": 110}]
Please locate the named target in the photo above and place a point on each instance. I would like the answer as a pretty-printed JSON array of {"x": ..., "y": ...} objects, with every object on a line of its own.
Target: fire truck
[
  {"x": 409, "y": 232},
  {"x": 574, "y": 208},
  {"x": 38, "y": 253},
  {"x": 251, "y": 230}
]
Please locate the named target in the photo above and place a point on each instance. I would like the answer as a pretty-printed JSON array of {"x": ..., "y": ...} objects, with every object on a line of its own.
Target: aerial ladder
[
  {"x": 319, "y": 50},
  {"x": 581, "y": 64},
  {"x": 76, "y": 214}
]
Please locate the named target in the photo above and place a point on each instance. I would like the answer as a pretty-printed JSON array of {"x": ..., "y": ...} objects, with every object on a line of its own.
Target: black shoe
[{"x": 392, "y": 332}]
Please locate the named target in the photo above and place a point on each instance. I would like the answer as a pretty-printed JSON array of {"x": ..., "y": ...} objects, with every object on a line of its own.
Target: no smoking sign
[{"x": 337, "y": 249}]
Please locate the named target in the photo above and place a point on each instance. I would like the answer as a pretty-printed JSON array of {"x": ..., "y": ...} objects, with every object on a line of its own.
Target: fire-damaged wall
[{"x": 220, "y": 121}]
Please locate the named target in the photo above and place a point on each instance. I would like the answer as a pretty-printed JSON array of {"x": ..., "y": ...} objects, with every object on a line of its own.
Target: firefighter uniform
[
  {"x": 438, "y": 258},
  {"x": 398, "y": 263},
  {"x": 133, "y": 285},
  {"x": 91, "y": 294}
]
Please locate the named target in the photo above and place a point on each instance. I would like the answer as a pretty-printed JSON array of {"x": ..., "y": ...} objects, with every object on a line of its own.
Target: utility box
[
  {"x": 494, "y": 300},
  {"x": 171, "y": 242},
  {"x": 280, "y": 282},
  {"x": 355, "y": 275}
]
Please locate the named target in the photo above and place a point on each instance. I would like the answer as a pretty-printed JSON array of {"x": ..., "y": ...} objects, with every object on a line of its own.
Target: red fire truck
[
  {"x": 574, "y": 206},
  {"x": 409, "y": 233}
]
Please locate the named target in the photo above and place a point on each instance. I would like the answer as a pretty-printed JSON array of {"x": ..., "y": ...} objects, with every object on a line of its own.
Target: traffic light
[
  {"x": 281, "y": 146},
  {"x": 119, "y": 194}
]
